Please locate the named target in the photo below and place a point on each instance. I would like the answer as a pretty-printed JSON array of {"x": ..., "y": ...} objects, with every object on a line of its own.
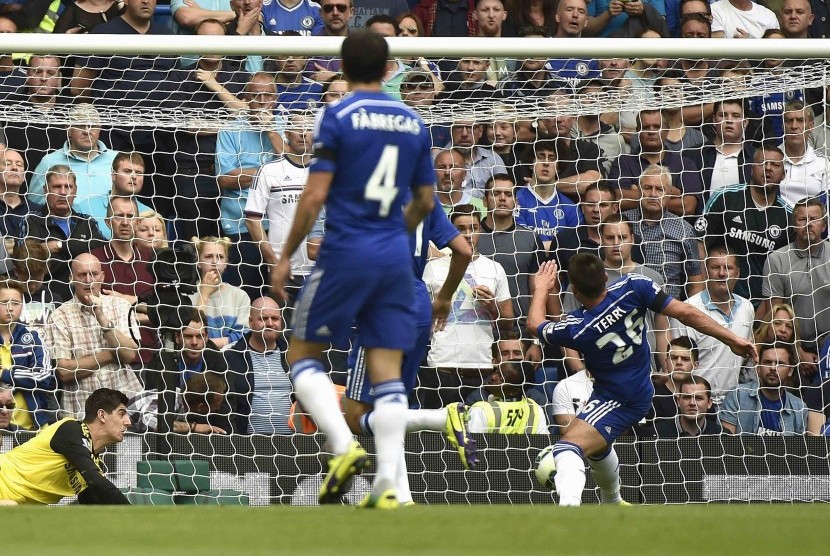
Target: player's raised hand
[
  {"x": 280, "y": 274},
  {"x": 547, "y": 277},
  {"x": 440, "y": 312}
]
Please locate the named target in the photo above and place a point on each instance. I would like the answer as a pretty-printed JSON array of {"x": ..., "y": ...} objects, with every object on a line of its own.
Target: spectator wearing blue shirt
[
  {"x": 295, "y": 92},
  {"x": 676, "y": 10},
  {"x": 302, "y": 16},
  {"x": 87, "y": 156},
  {"x": 13, "y": 205},
  {"x": 571, "y": 19},
  {"x": 246, "y": 144},
  {"x": 541, "y": 207},
  {"x": 608, "y": 17},
  {"x": 187, "y": 16},
  {"x": 765, "y": 407}
]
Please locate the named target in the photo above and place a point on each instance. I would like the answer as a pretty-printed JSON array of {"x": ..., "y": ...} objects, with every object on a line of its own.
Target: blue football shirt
[
  {"x": 612, "y": 338},
  {"x": 436, "y": 227},
  {"x": 378, "y": 150}
]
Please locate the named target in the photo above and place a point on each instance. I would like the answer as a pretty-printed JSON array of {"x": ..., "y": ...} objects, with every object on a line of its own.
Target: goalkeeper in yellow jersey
[
  {"x": 508, "y": 410},
  {"x": 64, "y": 458}
]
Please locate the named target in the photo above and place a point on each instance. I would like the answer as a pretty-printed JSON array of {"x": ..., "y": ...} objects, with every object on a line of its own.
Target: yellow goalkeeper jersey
[{"x": 46, "y": 468}]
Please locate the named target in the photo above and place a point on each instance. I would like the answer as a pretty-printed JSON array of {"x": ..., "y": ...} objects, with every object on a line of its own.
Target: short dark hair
[
  {"x": 465, "y": 209},
  {"x": 685, "y": 342},
  {"x": 557, "y": 146},
  {"x": 708, "y": 7},
  {"x": 696, "y": 379},
  {"x": 616, "y": 219},
  {"x": 770, "y": 146},
  {"x": 364, "y": 54},
  {"x": 103, "y": 398},
  {"x": 586, "y": 274},
  {"x": 533, "y": 30},
  {"x": 717, "y": 106},
  {"x": 789, "y": 348},
  {"x": 488, "y": 185},
  {"x": 381, "y": 18}
]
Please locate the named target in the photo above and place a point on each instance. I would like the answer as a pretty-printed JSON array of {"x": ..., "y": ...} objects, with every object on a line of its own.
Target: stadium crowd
[{"x": 724, "y": 204}]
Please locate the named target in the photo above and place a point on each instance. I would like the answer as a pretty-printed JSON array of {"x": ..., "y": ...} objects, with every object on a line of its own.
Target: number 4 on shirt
[{"x": 381, "y": 184}]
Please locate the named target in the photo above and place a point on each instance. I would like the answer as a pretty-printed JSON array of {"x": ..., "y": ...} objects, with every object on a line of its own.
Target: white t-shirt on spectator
[
  {"x": 467, "y": 339},
  {"x": 806, "y": 178},
  {"x": 571, "y": 394},
  {"x": 756, "y": 21},
  {"x": 274, "y": 194}
]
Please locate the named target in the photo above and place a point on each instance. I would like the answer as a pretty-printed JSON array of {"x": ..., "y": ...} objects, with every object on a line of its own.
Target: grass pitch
[{"x": 780, "y": 529}]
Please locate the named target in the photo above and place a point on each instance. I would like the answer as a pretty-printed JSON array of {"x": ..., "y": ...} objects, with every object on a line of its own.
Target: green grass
[{"x": 780, "y": 529}]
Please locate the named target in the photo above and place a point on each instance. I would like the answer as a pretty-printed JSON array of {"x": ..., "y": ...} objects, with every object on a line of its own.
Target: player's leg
[
  {"x": 324, "y": 314},
  {"x": 605, "y": 469},
  {"x": 592, "y": 436},
  {"x": 569, "y": 455},
  {"x": 316, "y": 393},
  {"x": 390, "y": 407}
]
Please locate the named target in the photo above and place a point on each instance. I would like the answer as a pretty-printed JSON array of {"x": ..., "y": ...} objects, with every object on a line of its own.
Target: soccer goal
[{"x": 703, "y": 165}]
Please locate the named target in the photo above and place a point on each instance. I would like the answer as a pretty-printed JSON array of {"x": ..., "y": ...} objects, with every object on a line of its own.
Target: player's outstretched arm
[
  {"x": 462, "y": 254},
  {"x": 703, "y": 323},
  {"x": 421, "y": 204},
  {"x": 546, "y": 282}
]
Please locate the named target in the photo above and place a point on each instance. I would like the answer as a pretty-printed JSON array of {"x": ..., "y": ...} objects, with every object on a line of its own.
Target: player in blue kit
[
  {"x": 435, "y": 228},
  {"x": 609, "y": 330},
  {"x": 371, "y": 153}
]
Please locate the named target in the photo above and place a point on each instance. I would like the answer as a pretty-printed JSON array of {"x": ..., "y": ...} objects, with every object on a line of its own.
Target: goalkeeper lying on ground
[{"x": 64, "y": 458}]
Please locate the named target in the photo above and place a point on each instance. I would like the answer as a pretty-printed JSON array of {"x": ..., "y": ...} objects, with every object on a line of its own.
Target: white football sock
[
  {"x": 402, "y": 484},
  {"x": 606, "y": 473},
  {"x": 426, "y": 420},
  {"x": 570, "y": 474},
  {"x": 318, "y": 398},
  {"x": 389, "y": 424}
]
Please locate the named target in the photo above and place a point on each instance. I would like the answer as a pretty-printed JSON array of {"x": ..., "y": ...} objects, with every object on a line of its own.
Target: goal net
[{"x": 176, "y": 168}]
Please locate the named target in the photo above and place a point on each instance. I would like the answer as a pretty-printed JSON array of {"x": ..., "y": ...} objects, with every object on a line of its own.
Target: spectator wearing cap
[{"x": 88, "y": 157}]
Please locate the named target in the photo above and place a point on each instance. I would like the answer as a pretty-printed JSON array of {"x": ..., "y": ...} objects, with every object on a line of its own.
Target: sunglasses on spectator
[
  {"x": 408, "y": 29},
  {"x": 342, "y": 8},
  {"x": 8, "y": 406},
  {"x": 422, "y": 86}
]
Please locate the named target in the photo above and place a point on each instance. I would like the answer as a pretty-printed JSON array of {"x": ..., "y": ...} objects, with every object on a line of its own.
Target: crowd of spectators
[{"x": 722, "y": 204}]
